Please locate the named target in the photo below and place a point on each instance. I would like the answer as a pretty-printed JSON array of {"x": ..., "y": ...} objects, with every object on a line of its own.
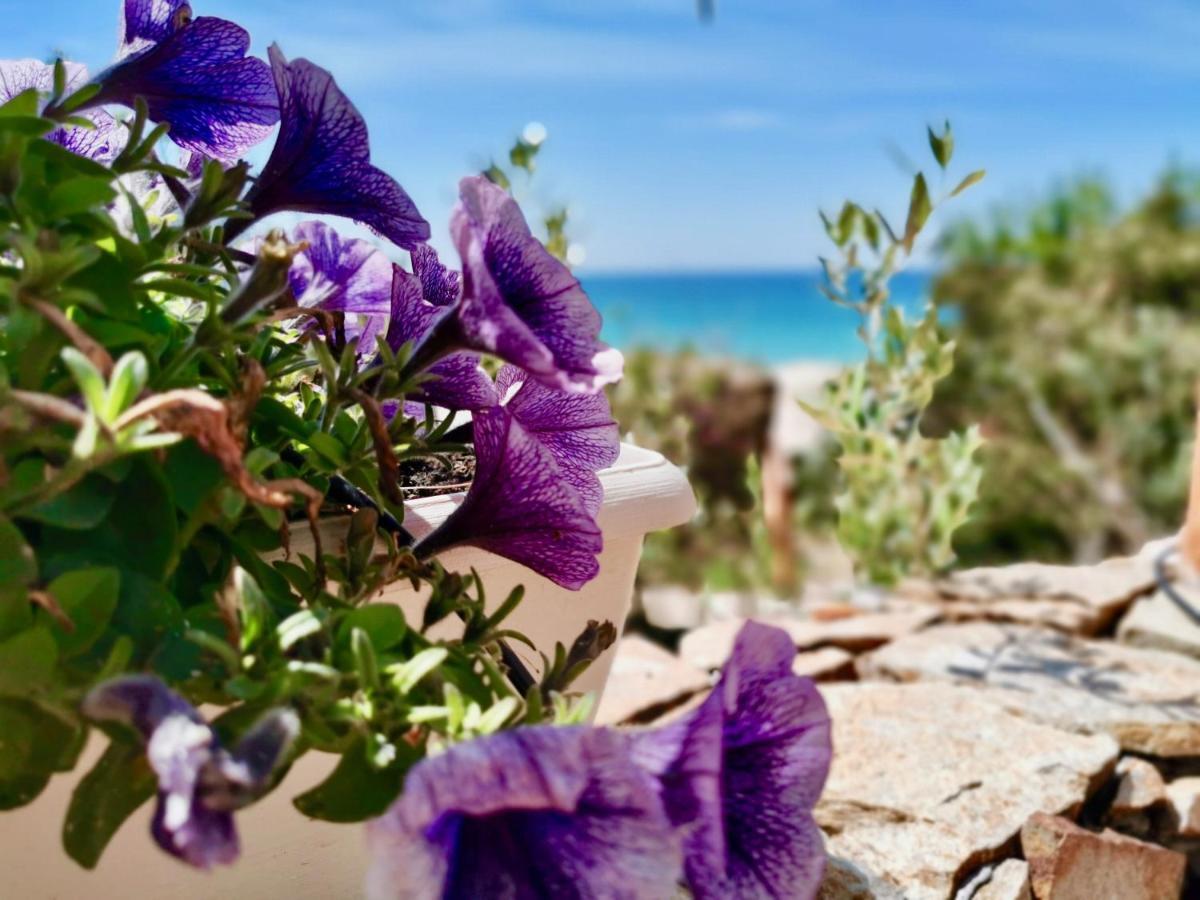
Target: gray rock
[
  {"x": 1148, "y": 700},
  {"x": 1157, "y": 623}
]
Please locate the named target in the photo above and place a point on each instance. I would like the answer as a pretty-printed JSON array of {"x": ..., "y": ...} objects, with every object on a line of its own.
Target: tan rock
[
  {"x": 710, "y": 645},
  {"x": 646, "y": 681},
  {"x": 1067, "y": 862},
  {"x": 826, "y": 664},
  {"x": 930, "y": 781},
  {"x": 1139, "y": 787},
  {"x": 1084, "y": 599},
  {"x": 1184, "y": 796},
  {"x": 1009, "y": 881},
  {"x": 1157, "y": 623},
  {"x": 1148, "y": 700}
]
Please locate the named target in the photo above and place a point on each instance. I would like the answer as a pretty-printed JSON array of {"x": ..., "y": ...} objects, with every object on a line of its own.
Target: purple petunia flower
[
  {"x": 102, "y": 142},
  {"x": 538, "y": 812},
  {"x": 194, "y": 75},
  {"x": 199, "y": 783},
  {"x": 417, "y": 306},
  {"x": 742, "y": 773},
  {"x": 519, "y": 302},
  {"x": 520, "y": 506},
  {"x": 340, "y": 275},
  {"x": 577, "y": 429},
  {"x": 322, "y": 159}
]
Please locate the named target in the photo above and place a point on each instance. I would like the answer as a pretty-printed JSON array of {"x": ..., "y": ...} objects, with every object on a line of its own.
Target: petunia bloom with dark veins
[
  {"x": 540, "y": 812},
  {"x": 102, "y": 142},
  {"x": 520, "y": 506},
  {"x": 321, "y": 163},
  {"x": 519, "y": 302},
  {"x": 418, "y": 303},
  {"x": 194, "y": 75},
  {"x": 200, "y": 784},
  {"x": 577, "y": 429},
  {"x": 343, "y": 275},
  {"x": 741, "y": 775}
]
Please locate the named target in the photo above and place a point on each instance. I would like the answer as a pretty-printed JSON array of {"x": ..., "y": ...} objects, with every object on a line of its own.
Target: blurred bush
[
  {"x": 1078, "y": 348},
  {"x": 709, "y": 416}
]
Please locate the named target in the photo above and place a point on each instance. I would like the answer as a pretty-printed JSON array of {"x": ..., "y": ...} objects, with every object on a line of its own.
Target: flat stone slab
[
  {"x": 1067, "y": 862},
  {"x": 1148, "y": 700},
  {"x": 1007, "y": 881},
  {"x": 1079, "y": 599},
  {"x": 1157, "y": 623},
  {"x": 1140, "y": 786},
  {"x": 710, "y": 645},
  {"x": 826, "y": 664},
  {"x": 645, "y": 682},
  {"x": 932, "y": 781}
]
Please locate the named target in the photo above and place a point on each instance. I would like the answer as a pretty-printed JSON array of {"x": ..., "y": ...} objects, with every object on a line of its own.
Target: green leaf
[
  {"x": 129, "y": 376},
  {"x": 407, "y": 675},
  {"x": 383, "y": 623},
  {"x": 26, "y": 126},
  {"x": 88, "y": 377},
  {"x": 88, "y": 597},
  {"x": 119, "y": 783},
  {"x": 81, "y": 508},
  {"x": 79, "y": 195},
  {"x": 919, "y": 208},
  {"x": 355, "y": 791},
  {"x": 27, "y": 663},
  {"x": 18, "y": 567},
  {"x": 974, "y": 178},
  {"x": 296, "y": 628},
  {"x": 942, "y": 145}
]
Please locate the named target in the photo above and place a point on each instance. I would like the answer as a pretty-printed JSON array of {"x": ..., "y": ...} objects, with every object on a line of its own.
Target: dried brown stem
[
  {"x": 389, "y": 465},
  {"x": 83, "y": 342}
]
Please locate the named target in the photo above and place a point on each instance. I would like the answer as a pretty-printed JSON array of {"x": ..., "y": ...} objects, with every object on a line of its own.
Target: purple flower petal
[
  {"x": 148, "y": 22},
  {"x": 458, "y": 380},
  {"x": 538, "y": 812},
  {"x": 102, "y": 142},
  {"x": 322, "y": 159},
  {"x": 519, "y": 302},
  {"x": 199, "y": 783},
  {"x": 197, "y": 78},
  {"x": 439, "y": 285},
  {"x": 743, "y": 772},
  {"x": 578, "y": 429},
  {"x": 521, "y": 507},
  {"x": 348, "y": 276}
]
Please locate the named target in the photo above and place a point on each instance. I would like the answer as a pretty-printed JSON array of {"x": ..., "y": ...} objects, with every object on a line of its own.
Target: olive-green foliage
[
  {"x": 903, "y": 494},
  {"x": 1079, "y": 343},
  {"x": 710, "y": 417}
]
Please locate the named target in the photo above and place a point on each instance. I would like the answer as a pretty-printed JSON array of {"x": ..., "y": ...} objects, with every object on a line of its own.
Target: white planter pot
[{"x": 284, "y": 854}]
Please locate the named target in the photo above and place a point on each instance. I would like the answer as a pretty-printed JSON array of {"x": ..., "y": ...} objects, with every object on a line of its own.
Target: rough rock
[
  {"x": 1184, "y": 796},
  {"x": 1081, "y": 599},
  {"x": 1009, "y": 881},
  {"x": 645, "y": 681},
  {"x": 932, "y": 781},
  {"x": 1157, "y": 623},
  {"x": 846, "y": 881},
  {"x": 1148, "y": 700},
  {"x": 1139, "y": 787},
  {"x": 709, "y": 646},
  {"x": 826, "y": 664},
  {"x": 1067, "y": 862}
]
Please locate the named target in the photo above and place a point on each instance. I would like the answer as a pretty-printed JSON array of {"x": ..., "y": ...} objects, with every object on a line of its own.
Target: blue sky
[{"x": 680, "y": 145}]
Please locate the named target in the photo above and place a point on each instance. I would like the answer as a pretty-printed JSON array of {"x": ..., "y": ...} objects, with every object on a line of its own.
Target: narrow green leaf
[
  {"x": 88, "y": 598},
  {"x": 88, "y": 377},
  {"x": 974, "y": 178},
  {"x": 129, "y": 376},
  {"x": 919, "y": 208},
  {"x": 408, "y": 674}
]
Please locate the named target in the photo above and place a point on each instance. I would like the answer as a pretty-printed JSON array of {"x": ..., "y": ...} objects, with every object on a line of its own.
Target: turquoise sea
[{"x": 766, "y": 317}]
